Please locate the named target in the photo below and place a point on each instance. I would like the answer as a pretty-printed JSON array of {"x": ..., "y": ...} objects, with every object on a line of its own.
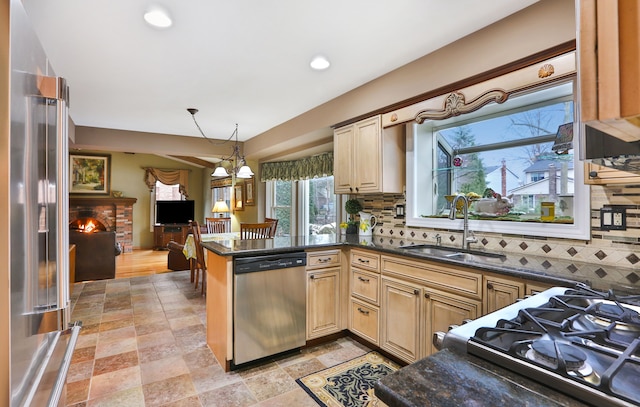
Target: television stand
[{"x": 163, "y": 234}]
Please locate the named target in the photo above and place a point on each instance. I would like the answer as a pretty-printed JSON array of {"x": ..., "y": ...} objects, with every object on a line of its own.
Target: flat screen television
[{"x": 174, "y": 212}]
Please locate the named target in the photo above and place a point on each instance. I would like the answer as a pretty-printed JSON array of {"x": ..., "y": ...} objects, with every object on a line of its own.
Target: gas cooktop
[{"x": 583, "y": 342}]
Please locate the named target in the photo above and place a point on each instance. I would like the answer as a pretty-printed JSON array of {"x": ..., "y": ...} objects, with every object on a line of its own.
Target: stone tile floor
[{"x": 143, "y": 343}]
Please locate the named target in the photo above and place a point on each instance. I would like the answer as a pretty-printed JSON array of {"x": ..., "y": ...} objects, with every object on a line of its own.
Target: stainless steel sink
[{"x": 450, "y": 252}]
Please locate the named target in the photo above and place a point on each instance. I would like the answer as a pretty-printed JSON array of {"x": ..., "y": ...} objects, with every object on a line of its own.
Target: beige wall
[
  {"x": 542, "y": 26},
  {"x": 5, "y": 260}
]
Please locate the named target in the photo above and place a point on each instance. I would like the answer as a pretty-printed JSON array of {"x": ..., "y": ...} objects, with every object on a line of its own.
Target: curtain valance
[
  {"x": 309, "y": 167},
  {"x": 168, "y": 177}
]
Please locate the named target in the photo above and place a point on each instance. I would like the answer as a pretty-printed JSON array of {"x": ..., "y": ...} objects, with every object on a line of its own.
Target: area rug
[{"x": 349, "y": 384}]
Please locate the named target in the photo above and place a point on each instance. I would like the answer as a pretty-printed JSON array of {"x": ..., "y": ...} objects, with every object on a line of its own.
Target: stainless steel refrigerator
[{"x": 42, "y": 340}]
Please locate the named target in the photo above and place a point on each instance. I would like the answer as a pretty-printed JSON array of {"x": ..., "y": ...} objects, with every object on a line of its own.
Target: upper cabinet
[
  {"x": 369, "y": 159},
  {"x": 609, "y": 66}
]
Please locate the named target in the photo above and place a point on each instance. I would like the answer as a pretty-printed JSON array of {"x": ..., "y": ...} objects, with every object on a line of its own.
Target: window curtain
[
  {"x": 168, "y": 177},
  {"x": 310, "y": 167}
]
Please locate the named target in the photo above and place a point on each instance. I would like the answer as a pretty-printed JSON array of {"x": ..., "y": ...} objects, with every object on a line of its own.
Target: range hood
[{"x": 609, "y": 151}]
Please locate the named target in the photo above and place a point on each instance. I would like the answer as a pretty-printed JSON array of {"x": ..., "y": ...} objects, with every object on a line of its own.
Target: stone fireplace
[{"x": 116, "y": 214}]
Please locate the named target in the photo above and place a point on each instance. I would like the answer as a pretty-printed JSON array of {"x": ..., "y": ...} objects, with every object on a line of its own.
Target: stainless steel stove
[{"x": 579, "y": 341}]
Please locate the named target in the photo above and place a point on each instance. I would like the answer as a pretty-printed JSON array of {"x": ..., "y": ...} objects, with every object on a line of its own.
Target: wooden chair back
[
  {"x": 200, "y": 265},
  {"x": 255, "y": 230},
  {"x": 218, "y": 225},
  {"x": 274, "y": 225}
]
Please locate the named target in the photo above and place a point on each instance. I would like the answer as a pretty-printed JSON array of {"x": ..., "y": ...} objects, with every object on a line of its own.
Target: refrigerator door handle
[{"x": 61, "y": 379}]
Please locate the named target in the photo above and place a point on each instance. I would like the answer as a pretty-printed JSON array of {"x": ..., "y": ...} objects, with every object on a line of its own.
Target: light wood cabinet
[
  {"x": 400, "y": 309},
  {"x": 323, "y": 302},
  {"x": 364, "y": 282},
  {"x": 368, "y": 159},
  {"x": 535, "y": 288},
  {"x": 364, "y": 320},
  {"x": 325, "y": 296},
  {"x": 500, "y": 292},
  {"x": 441, "y": 310},
  {"x": 608, "y": 41},
  {"x": 599, "y": 175}
]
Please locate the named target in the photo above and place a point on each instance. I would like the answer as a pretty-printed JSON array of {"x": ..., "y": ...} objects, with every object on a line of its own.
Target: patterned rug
[{"x": 349, "y": 384}]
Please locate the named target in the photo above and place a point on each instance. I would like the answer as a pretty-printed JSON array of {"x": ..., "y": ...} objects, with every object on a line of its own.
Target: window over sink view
[{"x": 516, "y": 162}]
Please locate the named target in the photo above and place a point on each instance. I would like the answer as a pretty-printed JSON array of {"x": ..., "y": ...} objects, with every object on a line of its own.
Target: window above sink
[{"x": 506, "y": 153}]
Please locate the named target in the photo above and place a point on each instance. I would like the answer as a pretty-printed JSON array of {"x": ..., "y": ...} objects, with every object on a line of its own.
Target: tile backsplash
[{"x": 619, "y": 248}]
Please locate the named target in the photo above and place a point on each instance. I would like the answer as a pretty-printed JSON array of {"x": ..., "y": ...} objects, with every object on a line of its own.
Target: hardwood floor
[{"x": 141, "y": 263}]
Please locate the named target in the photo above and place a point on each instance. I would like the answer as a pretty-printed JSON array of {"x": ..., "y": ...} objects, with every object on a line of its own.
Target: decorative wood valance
[{"x": 455, "y": 105}]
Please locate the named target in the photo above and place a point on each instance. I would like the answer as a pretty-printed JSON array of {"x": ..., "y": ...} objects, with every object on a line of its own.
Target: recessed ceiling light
[
  {"x": 158, "y": 17},
  {"x": 319, "y": 63}
]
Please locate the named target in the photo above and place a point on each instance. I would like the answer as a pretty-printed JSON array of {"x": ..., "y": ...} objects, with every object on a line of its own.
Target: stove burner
[
  {"x": 544, "y": 352},
  {"x": 618, "y": 313}
]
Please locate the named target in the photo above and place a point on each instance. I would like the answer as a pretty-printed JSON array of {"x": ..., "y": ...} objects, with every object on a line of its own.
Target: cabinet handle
[
  {"x": 313, "y": 277},
  {"x": 362, "y": 311},
  {"x": 426, "y": 295},
  {"x": 593, "y": 174},
  {"x": 364, "y": 280},
  {"x": 363, "y": 261},
  {"x": 357, "y": 189},
  {"x": 416, "y": 292},
  {"x": 328, "y": 259},
  {"x": 351, "y": 189},
  {"x": 489, "y": 286}
]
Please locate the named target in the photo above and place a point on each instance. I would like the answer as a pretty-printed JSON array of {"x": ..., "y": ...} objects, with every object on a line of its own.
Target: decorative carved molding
[
  {"x": 545, "y": 71},
  {"x": 455, "y": 105}
]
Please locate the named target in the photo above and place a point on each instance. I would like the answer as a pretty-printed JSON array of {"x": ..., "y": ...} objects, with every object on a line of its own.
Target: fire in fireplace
[{"x": 96, "y": 249}]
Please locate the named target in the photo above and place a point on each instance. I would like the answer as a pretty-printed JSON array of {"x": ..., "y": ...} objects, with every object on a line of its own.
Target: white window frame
[{"x": 416, "y": 175}]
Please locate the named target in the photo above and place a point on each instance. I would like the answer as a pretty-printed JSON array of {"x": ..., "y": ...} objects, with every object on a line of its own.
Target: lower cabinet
[
  {"x": 323, "y": 302},
  {"x": 441, "y": 310},
  {"x": 364, "y": 320},
  {"x": 500, "y": 292},
  {"x": 400, "y": 308}
]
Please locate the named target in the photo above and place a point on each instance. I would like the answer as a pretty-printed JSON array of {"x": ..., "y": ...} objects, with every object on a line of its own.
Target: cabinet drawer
[
  {"x": 365, "y": 285},
  {"x": 444, "y": 277},
  {"x": 365, "y": 260},
  {"x": 323, "y": 259},
  {"x": 365, "y": 321}
]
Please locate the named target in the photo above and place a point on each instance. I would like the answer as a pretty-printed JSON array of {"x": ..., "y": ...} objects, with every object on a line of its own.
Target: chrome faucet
[
  {"x": 467, "y": 235},
  {"x": 438, "y": 239}
]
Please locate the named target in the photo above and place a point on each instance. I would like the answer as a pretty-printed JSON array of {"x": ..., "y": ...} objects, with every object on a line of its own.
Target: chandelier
[{"x": 239, "y": 167}]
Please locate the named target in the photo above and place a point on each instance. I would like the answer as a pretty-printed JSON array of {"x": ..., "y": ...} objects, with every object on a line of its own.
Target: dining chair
[
  {"x": 199, "y": 263},
  {"x": 218, "y": 225},
  {"x": 274, "y": 225},
  {"x": 255, "y": 230}
]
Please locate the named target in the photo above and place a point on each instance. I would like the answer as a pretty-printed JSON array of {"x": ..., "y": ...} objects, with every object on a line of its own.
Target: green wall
[{"x": 127, "y": 175}]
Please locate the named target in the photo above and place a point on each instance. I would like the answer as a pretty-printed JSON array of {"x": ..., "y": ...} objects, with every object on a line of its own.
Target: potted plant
[{"x": 352, "y": 206}]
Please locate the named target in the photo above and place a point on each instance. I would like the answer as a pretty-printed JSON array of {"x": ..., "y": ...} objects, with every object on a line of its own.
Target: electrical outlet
[
  {"x": 617, "y": 219},
  {"x": 613, "y": 218}
]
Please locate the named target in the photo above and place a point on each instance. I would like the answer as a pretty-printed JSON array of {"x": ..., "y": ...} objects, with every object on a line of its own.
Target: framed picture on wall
[
  {"x": 238, "y": 198},
  {"x": 250, "y": 186},
  {"x": 89, "y": 174}
]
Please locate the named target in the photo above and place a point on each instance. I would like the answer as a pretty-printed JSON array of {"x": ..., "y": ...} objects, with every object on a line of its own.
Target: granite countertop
[
  {"x": 447, "y": 379},
  {"x": 535, "y": 268}
]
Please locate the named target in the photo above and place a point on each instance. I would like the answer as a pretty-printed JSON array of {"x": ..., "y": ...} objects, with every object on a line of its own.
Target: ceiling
[{"x": 240, "y": 61}]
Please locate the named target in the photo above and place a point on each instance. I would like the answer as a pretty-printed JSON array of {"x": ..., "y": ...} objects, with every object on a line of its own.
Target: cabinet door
[
  {"x": 400, "y": 319},
  {"x": 598, "y": 175},
  {"x": 442, "y": 310},
  {"x": 323, "y": 302},
  {"x": 500, "y": 292},
  {"x": 343, "y": 160},
  {"x": 367, "y": 158}
]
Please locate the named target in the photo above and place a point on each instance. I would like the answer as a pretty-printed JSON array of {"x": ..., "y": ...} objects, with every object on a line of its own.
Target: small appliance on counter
[{"x": 579, "y": 341}]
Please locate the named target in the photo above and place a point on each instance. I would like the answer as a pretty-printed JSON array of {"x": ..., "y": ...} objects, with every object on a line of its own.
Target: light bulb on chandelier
[{"x": 239, "y": 167}]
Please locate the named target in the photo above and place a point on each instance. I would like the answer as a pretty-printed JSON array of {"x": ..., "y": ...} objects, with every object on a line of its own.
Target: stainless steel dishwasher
[{"x": 269, "y": 305}]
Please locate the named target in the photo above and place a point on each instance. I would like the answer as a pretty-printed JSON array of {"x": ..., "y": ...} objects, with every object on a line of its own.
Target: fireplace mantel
[{"x": 90, "y": 200}]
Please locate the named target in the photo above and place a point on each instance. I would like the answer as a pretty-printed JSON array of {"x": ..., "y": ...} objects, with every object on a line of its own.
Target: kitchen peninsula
[{"x": 530, "y": 274}]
